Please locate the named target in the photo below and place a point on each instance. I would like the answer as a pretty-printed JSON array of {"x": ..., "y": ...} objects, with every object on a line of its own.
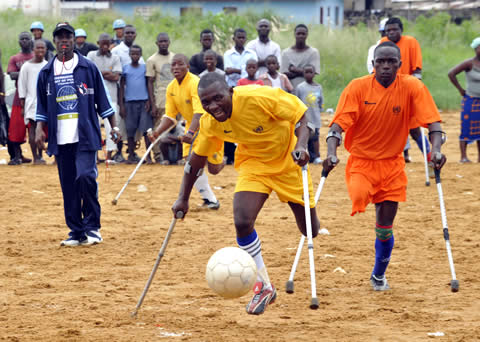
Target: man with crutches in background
[
  {"x": 411, "y": 65},
  {"x": 376, "y": 112},
  {"x": 265, "y": 123},
  {"x": 182, "y": 98}
]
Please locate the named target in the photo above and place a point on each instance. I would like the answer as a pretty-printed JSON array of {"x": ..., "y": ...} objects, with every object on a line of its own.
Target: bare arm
[
  {"x": 230, "y": 71},
  {"x": 435, "y": 134},
  {"x": 332, "y": 144},
  {"x": 121, "y": 93},
  {"x": 194, "y": 125},
  {"x": 300, "y": 151},
  {"x": 111, "y": 76},
  {"x": 452, "y": 74},
  {"x": 193, "y": 170},
  {"x": 151, "y": 96}
]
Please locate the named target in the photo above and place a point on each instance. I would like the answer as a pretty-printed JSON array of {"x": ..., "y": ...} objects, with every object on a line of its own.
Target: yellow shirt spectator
[{"x": 262, "y": 124}]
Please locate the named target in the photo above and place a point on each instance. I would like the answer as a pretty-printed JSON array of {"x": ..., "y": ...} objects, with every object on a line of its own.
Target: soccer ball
[{"x": 231, "y": 272}]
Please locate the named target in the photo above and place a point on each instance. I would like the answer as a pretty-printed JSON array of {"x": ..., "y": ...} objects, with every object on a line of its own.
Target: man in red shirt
[{"x": 17, "y": 129}]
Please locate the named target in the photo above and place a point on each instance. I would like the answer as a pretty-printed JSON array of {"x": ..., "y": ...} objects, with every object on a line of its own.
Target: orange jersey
[
  {"x": 377, "y": 120},
  {"x": 411, "y": 54},
  {"x": 262, "y": 124}
]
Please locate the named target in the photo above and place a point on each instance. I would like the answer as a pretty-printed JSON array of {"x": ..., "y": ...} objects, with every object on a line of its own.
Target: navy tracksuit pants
[{"x": 78, "y": 179}]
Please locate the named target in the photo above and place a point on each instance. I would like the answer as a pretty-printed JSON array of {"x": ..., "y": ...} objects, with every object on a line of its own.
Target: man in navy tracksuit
[{"x": 70, "y": 93}]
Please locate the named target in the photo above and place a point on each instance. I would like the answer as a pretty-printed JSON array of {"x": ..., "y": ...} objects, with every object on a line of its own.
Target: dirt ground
[{"x": 50, "y": 293}]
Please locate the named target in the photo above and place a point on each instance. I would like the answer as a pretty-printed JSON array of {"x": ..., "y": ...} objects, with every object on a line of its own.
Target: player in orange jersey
[{"x": 376, "y": 113}]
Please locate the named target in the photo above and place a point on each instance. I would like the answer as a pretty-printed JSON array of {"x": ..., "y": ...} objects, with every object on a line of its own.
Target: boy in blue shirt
[{"x": 134, "y": 104}]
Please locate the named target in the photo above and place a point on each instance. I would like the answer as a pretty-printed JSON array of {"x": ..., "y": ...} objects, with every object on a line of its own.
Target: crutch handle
[
  {"x": 437, "y": 175},
  {"x": 179, "y": 214}
]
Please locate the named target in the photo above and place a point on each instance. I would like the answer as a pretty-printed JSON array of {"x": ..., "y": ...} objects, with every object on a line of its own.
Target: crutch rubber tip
[
  {"x": 133, "y": 314},
  {"x": 454, "y": 284},
  {"x": 114, "y": 202},
  {"x": 289, "y": 286},
  {"x": 314, "y": 304},
  {"x": 427, "y": 183}
]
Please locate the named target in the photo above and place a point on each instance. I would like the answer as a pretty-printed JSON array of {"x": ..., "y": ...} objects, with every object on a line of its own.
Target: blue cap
[
  {"x": 119, "y": 23},
  {"x": 475, "y": 43},
  {"x": 36, "y": 25},
  {"x": 80, "y": 33}
]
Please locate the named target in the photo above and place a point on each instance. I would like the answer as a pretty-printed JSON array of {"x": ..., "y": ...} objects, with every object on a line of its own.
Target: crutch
[
  {"x": 308, "y": 223},
  {"x": 178, "y": 215},
  {"x": 454, "y": 283},
  {"x": 115, "y": 200},
  {"x": 290, "y": 284},
  {"x": 424, "y": 151}
]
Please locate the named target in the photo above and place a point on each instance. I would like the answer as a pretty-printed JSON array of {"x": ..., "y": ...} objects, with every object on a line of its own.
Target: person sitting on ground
[
  {"x": 470, "y": 116},
  {"x": 134, "y": 103},
  {"x": 311, "y": 93},
  {"x": 210, "y": 60},
  {"x": 273, "y": 78},
  {"x": 252, "y": 67},
  {"x": 171, "y": 145},
  {"x": 27, "y": 91}
]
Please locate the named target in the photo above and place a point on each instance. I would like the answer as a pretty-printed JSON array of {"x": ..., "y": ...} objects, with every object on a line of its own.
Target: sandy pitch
[{"x": 49, "y": 293}]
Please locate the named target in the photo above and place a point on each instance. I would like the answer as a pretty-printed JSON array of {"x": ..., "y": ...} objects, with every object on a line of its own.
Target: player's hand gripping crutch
[
  {"x": 290, "y": 283},
  {"x": 178, "y": 215},
  {"x": 424, "y": 152},
  {"x": 454, "y": 283},
  {"x": 115, "y": 200}
]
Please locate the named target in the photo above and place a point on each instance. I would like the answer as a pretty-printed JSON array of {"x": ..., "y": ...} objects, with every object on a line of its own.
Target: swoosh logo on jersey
[
  {"x": 370, "y": 103},
  {"x": 225, "y": 131}
]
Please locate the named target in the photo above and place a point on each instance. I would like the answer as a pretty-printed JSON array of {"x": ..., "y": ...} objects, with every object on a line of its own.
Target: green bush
[{"x": 343, "y": 52}]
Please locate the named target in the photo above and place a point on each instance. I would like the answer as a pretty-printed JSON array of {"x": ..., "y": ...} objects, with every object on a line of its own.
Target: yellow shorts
[
  {"x": 375, "y": 181},
  {"x": 288, "y": 185},
  {"x": 216, "y": 158}
]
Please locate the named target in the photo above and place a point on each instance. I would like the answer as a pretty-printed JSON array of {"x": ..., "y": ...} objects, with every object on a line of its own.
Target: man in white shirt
[
  {"x": 27, "y": 92},
  {"x": 264, "y": 46},
  {"x": 236, "y": 58},
  {"x": 123, "y": 49}
]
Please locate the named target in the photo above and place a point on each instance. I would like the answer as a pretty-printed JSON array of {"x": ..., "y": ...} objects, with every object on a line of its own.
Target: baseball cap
[
  {"x": 80, "y": 33},
  {"x": 63, "y": 26}
]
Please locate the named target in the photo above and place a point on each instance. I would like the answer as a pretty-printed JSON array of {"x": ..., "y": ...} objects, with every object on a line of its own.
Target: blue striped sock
[{"x": 252, "y": 245}]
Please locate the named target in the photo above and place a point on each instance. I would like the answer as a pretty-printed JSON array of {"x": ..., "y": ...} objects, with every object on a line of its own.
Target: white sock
[
  {"x": 204, "y": 188},
  {"x": 255, "y": 250}
]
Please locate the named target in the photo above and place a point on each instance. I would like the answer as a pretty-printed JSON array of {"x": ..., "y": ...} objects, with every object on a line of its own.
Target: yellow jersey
[
  {"x": 183, "y": 98},
  {"x": 262, "y": 125}
]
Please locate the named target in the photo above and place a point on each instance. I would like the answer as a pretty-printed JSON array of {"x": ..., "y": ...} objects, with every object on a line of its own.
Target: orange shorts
[{"x": 375, "y": 181}]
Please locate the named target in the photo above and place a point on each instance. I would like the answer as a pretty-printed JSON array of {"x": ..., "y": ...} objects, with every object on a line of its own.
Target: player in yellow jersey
[
  {"x": 265, "y": 123},
  {"x": 182, "y": 98}
]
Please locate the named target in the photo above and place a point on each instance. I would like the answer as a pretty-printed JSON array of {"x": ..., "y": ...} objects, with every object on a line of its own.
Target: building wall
[{"x": 302, "y": 11}]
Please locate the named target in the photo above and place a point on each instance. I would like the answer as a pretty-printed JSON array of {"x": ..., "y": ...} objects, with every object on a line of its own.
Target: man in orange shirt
[
  {"x": 265, "y": 123},
  {"x": 376, "y": 112},
  {"x": 411, "y": 65}
]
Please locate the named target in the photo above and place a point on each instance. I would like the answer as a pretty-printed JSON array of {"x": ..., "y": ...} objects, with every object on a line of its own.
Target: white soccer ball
[{"x": 231, "y": 272}]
